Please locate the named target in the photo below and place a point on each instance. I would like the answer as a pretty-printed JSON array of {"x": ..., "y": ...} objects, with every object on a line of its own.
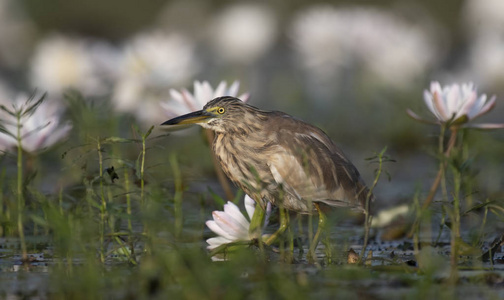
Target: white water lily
[
  {"x": 157, "y": 59},
  {"x": 243, "y": 32},
  {"x": 40, "y": 129},
  {"x": 184, "y": 102},
  {"x": 331, "y": 39},
  {"x": 457, "y": 104},
  {"x": 483, "y": 21},
  {"x": 150, "y": 63},
  {"x": 62, "y": 62},
  {"x": 231, "y": 225}
]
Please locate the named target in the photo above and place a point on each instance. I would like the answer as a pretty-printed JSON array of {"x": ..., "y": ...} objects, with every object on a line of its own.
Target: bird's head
[{"x": 221, "y": 114}]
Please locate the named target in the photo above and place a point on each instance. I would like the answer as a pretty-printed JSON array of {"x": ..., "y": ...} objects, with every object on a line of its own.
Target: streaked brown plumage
[{"x": 275, "y": 157}]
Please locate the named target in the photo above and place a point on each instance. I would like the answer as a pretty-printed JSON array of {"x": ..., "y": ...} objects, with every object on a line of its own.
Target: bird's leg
[
  {"x": 321, "y": 227},
  {"x": 290, "y": 256},
  {"x": 284, "y": 223}
]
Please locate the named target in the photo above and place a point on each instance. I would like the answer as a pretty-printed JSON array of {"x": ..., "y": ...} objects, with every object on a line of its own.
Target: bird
[{"x": 277, "y": 158}]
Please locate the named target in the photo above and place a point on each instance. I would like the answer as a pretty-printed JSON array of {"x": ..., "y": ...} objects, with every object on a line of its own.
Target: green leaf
[
  {"x": 39, "y": 220},
  {"x": 5, "y": 131},
  {"x": 10, "y": 112},
  {"x": 137, "y": 166},
  {"x": 477, "y": 207},
  {"x": 33, "y": 107},
  {"x": 116, "y": 139},
  {"x": 460, "y": 120},
  {"x": 148, "y": 133},
  {"x": 216, "y": 198},
  {"x": 238, "y": 197},
  {"x": 371, "y": 157},
  {"x": 383, "y": 151},
  {"x": 389, "y": 177}
]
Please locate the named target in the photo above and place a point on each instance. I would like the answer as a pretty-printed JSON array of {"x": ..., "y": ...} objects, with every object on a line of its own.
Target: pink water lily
[
  {"x": 231, "y": 225},
  {"x": 184, "y": 102},
  {"x": 457, "y": 105}
]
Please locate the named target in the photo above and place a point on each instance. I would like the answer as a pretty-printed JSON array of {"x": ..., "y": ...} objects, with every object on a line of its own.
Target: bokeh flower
[
  {"x": 486, "y": 58},
  {"x": 231, "y": 225},
  {"x": 40, "y": 128},
  {"x": 150, "y": 63},
  {"x": 484, "y": 20},
  {"x": 244, "y": 32},
  {"x": 483, "y": 15},
  {"x": 184, "y": 102},
  {"x": 329, "y": 41},
  {"x": 61, "y": 62},
  {"x": 457, "y": 104}
]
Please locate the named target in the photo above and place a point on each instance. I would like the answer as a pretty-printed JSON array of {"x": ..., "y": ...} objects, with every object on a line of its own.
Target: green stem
[
  {"x": 469, "y": 184},
  {"x": 20, "y": 196},
  {"x": 128, "y": 212},
  {"x": 128, "y": 199},
  {"x": 178, "y": 195},
  {"x": 103, "y": 207},
  {"x": 455, "y": 233},
  {"x": 439, "y": 176},
  {"x": 442, "y": 162},
  {"x": 148, "y": 244},
  {"x": 367, "y": 215}
]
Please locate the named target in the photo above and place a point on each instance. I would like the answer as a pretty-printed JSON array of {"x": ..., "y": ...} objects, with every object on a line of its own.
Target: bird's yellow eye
[{"x": 221, "y": 110}]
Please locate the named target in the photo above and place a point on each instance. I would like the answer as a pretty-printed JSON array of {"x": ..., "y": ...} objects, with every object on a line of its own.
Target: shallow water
[{"x": 393, "y": 272}]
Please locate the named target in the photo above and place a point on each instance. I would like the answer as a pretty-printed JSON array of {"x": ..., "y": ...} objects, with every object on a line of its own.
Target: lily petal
[
  {"x": 244, "y": 97},
  {"x": 428, "y": 101},
  {"x": 268, "y": 214},
  {"x": 233, "y": 89},
  {"x": 467, "y": 107},
  {"x": 220, "y": 90},
  {"x": 230, "y": 225},
  {"x": 418, "y": 118},
  {"x": 219, "y": 230},
  {"x": 249, "y": 206},
  {"x": 216, "y": 242},
  {"x": 452, "y": 101},
  {"x": 189, "y": 100},
  {"x": 486, "y": 108},
  {"x": 233, "y": 211},
  {"x": 176, "y": 95},
  {"x": 439, "y": 106},
  {"x": 486, "y": 126}
]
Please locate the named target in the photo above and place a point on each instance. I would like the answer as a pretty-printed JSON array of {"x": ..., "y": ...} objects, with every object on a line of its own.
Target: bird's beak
[{"x": 200, "y": 116}]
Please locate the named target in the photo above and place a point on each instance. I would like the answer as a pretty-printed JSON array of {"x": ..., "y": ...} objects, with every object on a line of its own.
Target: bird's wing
[{"x": 308, "y": 165}]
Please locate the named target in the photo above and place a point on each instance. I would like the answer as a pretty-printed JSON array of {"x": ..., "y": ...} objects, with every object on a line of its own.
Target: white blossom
[
  {"x": 152, "y": 62},
  {"x": 231, "y": 225},
  {"x": 61, "y": 62},
  {"x": 183, "y": 101},
  {"x": 457, "y": 104},
  {"x": 329, "y": 40},
  {"x": 244, "y": 32}
]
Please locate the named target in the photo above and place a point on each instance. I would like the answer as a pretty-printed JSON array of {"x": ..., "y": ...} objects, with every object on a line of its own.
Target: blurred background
[{"x": 349, "y": 67}]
